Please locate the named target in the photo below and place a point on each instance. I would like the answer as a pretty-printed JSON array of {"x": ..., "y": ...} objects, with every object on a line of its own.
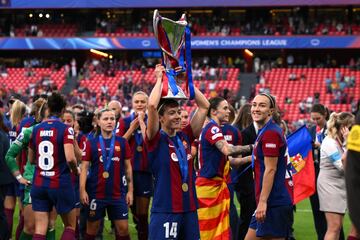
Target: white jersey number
[
  {"x": 46, "y": 159},
  {"x": 170, "y": 230}
]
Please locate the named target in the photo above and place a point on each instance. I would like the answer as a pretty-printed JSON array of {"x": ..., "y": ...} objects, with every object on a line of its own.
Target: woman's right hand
[
  {"x": 344, "y": 132},
  {"x": 159, "y": 70},
  {"x": 84, "y": 198}
]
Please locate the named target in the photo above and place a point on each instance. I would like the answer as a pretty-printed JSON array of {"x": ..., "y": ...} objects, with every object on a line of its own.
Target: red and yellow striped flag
[{"x": 214, "y": 206}]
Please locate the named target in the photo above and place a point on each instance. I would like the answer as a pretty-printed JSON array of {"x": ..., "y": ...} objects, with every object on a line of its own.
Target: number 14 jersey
[{"x": 47, "y": 142}]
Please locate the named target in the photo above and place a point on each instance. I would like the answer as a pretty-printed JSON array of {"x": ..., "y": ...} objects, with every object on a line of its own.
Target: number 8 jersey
[{"x": 47, "y": 142}]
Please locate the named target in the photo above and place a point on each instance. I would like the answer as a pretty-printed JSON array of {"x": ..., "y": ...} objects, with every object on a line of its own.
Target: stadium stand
[{"x": 277, "y": 81}]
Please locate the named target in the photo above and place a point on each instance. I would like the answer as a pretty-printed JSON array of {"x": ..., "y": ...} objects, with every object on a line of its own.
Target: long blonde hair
[
  {"x": 37, "y": 108},
  {"x": 18, "y": 111},
  {"x": 337, "y": 121}
]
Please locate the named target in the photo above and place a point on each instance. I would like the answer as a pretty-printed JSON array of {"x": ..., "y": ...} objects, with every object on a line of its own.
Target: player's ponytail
[{"x": 18, "y": 111}]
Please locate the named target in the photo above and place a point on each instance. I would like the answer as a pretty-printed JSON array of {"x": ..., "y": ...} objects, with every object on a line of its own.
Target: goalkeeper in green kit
[{"x": 20, "y": 144}]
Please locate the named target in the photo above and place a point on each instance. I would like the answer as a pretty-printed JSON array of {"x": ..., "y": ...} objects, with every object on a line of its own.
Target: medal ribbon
[
  {"x": 107, "y": 159},
  {"x": 257, "y": 139},
  {"x": 189, "y": 82},
  {"x": 181, "y": 155},
  {"x": 137, "y": 134}
]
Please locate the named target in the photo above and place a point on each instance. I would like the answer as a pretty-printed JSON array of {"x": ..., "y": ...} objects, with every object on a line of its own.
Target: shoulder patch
[
  {"x": 71, "y": 131},
  {"x": 215, "y": 130}
]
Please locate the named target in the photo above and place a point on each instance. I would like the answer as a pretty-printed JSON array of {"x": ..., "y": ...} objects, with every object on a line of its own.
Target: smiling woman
[
  {"x": 273, "y": 214},
  {"x": 173, "y": 213}
]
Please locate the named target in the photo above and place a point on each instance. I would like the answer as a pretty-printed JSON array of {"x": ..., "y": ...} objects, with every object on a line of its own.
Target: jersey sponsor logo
[
  {"x": 216, "y": 136},
  {"x": 228, "y": 138},
  {"x": 270, "y": 145},
  {"x": 124, "y": 214},
  {"x": 114, "y": 159},
  {"x": 215, "y": 130},
  {"x": 46, "y": 133},
  {"x": 47, "y": 173}
]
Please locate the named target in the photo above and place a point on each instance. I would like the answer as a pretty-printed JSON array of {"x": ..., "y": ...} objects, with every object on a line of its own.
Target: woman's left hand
[{"x": 129, "y": 198}]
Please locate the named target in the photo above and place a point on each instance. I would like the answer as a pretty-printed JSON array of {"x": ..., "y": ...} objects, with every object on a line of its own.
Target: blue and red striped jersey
[
  {"x": 25, "y": 123},
  {"x": 271, "y": 142},
  {"x": 114, "y": 187},
  {"x": 47, "y": 141},
  {"x": 233, "y": 136},
  {"x": 139, "y": 159},
  {"x": 120, "y": 128},
  {"x": 168, "y": 194},
  {"x": 212, "y": 161}
]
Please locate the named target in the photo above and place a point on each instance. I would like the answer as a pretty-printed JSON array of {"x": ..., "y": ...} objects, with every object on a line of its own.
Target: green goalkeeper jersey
[{"x": 20, "y": 143}]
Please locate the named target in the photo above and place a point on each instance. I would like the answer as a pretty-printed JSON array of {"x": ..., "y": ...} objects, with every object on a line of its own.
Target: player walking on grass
[{"x": 52, "y": 151}]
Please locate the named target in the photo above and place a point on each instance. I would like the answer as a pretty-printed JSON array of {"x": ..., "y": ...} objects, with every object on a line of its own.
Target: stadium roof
[{"x": 26, "y": 4}]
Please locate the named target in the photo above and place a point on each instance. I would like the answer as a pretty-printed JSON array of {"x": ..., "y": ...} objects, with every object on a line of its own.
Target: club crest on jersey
[
  {"x": 117, "y": 148},
  {"x": 185, "y": 144}
]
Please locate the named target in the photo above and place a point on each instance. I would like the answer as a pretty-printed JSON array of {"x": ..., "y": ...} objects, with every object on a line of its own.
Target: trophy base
[{"x": 179, "y": 96}]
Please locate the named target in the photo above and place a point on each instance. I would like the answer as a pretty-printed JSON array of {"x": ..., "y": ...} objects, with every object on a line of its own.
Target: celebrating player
[
  {"x": 52, "y": 150},
  {"x": 214, "y": 169},
  {"x": 110, "y": 173},
  {"x": 173, "y": 213},
  {"x": 135, "y": 126},
  {"x": 274, "y": 212}
]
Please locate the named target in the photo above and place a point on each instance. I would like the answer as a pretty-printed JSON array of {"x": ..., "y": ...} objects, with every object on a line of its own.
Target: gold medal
[
  {"x": 139, "y": 148},
  {"x": 185, "y": 187},
  {"x": 105, "y": 174}
]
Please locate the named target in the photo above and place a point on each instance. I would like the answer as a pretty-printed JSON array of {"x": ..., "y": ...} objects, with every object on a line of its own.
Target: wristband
[{"x": 18, "y": 177}]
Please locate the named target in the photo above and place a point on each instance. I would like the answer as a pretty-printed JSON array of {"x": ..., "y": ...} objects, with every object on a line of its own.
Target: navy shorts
[
  {"x": 174, "y": 226},
  {"x": 13, "y": 189},
  {"x": 277, "y": 222},
  {"x": 44, "y": 199},
  {"x": 116, "y": 209},
  {"x": 143, "y": 184}
]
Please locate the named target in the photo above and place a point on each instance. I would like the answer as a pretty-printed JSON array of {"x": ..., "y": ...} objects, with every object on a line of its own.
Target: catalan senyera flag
[
  {"x": 301, "y": 163},
  {"x": 214, "y": 206}
]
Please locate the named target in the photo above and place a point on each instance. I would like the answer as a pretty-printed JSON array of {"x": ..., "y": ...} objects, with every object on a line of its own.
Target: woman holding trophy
[{"x": 174, "y": 206}]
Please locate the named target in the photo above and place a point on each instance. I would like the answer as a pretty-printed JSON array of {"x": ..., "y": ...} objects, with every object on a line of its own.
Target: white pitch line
[{"x": 297, "y": 210}]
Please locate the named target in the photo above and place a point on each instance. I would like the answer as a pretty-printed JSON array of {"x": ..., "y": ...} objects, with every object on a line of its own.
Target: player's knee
[{"x": 122, "y": 228}]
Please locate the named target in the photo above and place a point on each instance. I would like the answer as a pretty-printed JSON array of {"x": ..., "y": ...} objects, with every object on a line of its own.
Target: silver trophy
[{"x": 174, "y": 40}]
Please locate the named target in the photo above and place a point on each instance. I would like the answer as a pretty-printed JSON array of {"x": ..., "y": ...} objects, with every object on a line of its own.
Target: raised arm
[
  {"x": 199, "y": 117},
  {"x": 154, "y": 99}
]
